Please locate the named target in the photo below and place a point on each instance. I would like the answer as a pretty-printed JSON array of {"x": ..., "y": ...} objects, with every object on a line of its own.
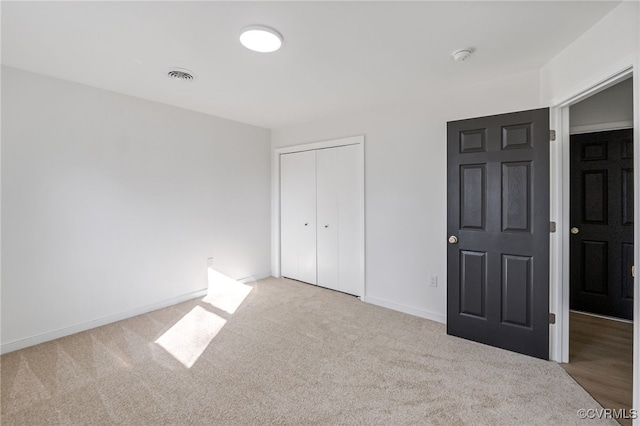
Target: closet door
[
  {"x": 298, "y": 216},
  {"x": 328, "y": 184},
  {"x": 339, "y": 228},
  {"x": 350, "y": 219}
]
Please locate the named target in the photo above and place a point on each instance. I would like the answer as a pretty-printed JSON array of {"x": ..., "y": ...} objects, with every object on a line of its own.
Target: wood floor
[{"x": 601, "y": 359}]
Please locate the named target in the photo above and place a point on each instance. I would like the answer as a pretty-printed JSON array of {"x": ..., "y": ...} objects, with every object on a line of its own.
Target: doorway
[{"x": 601, "y": 245}]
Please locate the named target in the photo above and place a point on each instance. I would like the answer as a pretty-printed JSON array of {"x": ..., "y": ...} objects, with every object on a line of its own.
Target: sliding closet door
[
  {"x": 298, "y": 216},
  {"x": 339, "y": 180}
]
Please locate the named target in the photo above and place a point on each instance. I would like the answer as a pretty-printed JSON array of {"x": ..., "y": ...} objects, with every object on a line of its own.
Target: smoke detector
[
  {"x": 462, "y": 54},
  {"x": 181, "y": 74}
]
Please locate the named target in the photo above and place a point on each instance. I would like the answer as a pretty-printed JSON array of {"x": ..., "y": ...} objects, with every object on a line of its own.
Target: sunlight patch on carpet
[
  {"x": 225, "y": 293},
  {"x": 190, "y": 336}
]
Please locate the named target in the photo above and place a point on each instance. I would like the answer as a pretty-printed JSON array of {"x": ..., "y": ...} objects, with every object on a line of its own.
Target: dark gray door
[
  {"x": 498, "y": 223},
  {"x": 601, "y": 247}
]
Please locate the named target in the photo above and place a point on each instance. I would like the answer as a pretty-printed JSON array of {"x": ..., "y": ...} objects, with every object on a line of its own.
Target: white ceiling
[{"x": 336, "y": 57}]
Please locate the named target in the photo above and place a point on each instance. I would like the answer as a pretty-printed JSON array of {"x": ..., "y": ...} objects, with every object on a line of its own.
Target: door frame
[
  {"x": 560, "y": 170},
  {"x": 275, "y": 192}
]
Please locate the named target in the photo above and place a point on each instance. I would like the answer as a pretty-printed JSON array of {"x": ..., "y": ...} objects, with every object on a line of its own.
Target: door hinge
[
  {"x": 552, "y": 135},
  {"x": 633, "y": 271},
  {"x": 552, "y": 227},
  {"x": 552, "y": 318}
]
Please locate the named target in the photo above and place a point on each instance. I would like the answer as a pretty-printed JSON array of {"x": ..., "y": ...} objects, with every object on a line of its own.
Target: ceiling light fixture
[
  {"x": 260, "y": 39},
  {"x": 462, "y": 54}
]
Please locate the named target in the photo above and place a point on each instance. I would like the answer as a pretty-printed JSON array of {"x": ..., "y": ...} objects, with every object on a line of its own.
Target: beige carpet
[{"x": 291, "y": 353}]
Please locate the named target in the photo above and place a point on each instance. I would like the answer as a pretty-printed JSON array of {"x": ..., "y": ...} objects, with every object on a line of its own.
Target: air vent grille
[{"x": 183, "y": 75}]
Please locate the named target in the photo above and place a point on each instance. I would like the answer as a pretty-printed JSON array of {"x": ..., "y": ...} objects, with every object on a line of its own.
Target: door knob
[
  {"x": 574, "y": 230},
  {"x": 453, "y": 239}
]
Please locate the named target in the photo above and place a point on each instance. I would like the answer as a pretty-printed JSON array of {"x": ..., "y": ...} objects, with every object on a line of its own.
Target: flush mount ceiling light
[
  {"x": 462, "y": 54},
  {"x": 260, "y": 39}
]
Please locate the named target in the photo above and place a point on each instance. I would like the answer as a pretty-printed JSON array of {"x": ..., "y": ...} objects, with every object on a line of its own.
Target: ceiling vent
[{"x": 181, "y": 74}]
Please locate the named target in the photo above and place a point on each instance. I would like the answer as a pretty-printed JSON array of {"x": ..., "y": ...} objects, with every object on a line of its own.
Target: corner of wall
[{"x": 600, "y": 51}]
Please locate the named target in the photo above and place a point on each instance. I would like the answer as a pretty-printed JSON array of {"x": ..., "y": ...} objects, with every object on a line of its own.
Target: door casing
[{"x": 559, "y": 265}]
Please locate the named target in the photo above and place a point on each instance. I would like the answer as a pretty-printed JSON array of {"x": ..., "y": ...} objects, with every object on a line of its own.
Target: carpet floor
[{"x": 291, "y": 353}]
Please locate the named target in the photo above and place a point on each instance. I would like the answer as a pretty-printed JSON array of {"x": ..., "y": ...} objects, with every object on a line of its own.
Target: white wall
[
  {"x": 610, "y": 109},
  {"x": 111, "y": 204},
  {"x": 405, "y": 184},
  {"x": 609, "y": 47},
  {"x": 612, "y": 40}
]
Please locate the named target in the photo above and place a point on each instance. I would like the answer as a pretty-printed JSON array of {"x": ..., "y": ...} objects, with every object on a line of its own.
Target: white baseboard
[
  {"x": 589, "y": 314},
  {"x": 406, "y": 309},
  {"x": 56, "y": 334},
  {"x": 66, "y": 331},
  {"x": 257, "y": 277}
]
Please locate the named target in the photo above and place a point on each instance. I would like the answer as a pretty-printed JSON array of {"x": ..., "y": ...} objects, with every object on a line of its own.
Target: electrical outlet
[
  {"x": 434, "y": 281},
  {"x": 210, "y": 262}
]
